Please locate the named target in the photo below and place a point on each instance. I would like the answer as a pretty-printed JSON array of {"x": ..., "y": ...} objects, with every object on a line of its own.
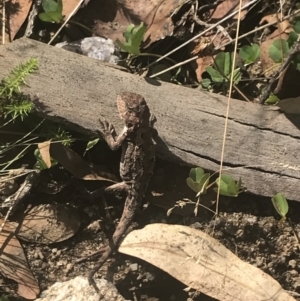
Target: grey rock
[{"x": 78, "y": 289}]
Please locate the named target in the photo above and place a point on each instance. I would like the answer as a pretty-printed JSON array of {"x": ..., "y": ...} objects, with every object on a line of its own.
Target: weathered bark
[{"x": 262, "y": 145}]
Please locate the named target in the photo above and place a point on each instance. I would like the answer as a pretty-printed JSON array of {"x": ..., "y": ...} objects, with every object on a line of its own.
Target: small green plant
[
  {"x": 228, "y": 186},
  {"x": 13, "y": 105},
  {"x": 249, "y": 53},
  {"x": 272, "y": 99},
  {"x": 220, "y": 72},
  {"x": 12, "y": 102},
  {"x": 11, "y": 84},
  {"x": 199, "y": 182},
  {"x": 52, "y": 11},
  {"x": 4, "y": 298},
  {"x": 281, "y": 205},
  {"x": 133, "y": 39},
  {"x": 280, "y": 48}
]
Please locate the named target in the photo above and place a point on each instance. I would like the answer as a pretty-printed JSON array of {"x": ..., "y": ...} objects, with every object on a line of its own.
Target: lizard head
[{"x": 133, "y": 109}]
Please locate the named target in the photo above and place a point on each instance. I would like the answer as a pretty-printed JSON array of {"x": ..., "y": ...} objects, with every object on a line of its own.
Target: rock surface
[{"x": 79, "y": 289}]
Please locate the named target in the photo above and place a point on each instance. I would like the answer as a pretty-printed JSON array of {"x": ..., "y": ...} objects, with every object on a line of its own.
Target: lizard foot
[{"x": 106, "y": 127}]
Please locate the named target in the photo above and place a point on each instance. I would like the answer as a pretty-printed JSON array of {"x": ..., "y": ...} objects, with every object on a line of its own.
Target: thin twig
[
  {"x": 257, "y": 29},
  {"x": 3, "y": 22},
  {"x": 228, "y": 104},
  {"x": 200, "y": 34}
]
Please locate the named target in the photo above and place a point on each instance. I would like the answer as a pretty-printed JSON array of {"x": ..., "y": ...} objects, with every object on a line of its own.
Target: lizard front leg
[{"x": 109, "y": 134}]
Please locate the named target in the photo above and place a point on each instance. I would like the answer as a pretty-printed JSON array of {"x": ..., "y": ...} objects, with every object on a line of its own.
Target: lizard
[{"x": 137, "y": 162}]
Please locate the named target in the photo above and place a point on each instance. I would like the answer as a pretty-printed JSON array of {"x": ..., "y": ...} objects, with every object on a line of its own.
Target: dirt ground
[{"x": 247, "y": 225}]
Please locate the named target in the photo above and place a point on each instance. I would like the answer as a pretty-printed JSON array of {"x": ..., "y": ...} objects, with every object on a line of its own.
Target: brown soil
[{"x": 247, "y": 225}]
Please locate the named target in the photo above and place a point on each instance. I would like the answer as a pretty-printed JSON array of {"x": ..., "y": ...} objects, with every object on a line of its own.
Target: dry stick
[
  {"x": 267, "y": 91},
  {"x": 257, "y": 29},
  {"x": 67, "y": 20},
  {"x": 228, "y": 104},
  {"x": 31, "y": 18},
  {"x": 14, "y": 200},
  {"x": 217, "y": 48},
  {"x": 3, "y": 22}
]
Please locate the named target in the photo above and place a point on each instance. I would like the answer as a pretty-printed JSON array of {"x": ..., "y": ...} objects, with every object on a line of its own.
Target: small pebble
[
  {"x": 294, "y": 273},
  {"x": 293, "y": 263},
  {"x": 134, "y": 267}
]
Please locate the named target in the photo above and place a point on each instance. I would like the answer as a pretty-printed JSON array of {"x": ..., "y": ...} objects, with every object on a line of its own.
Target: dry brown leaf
[
  {"x": 202, "y": 263},
  {"x": 282, "y": 31},
  {"x": 13, "y": 264},
  {"x": 16, "y": 14},
  {"x": 282, "y": 27},
  {"x": 202, "y": 63},
  {"x": 49, "y": 223},
  {"x": 266, "y": 62},
  {"x": 227, "y": 7},
  {"x": 77, "y": 166},
  {"x": 112, "y": 21},
  {"x": 44, "y": 149},
  {"x": 68, "y": 7},
  {"x": 270, "y": 18}
]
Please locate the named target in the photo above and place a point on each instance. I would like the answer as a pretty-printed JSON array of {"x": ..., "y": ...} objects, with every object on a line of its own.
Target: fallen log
[{"x": 262, "y": 145}]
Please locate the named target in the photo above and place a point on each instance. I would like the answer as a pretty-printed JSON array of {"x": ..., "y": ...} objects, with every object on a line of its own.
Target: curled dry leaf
[
  {"x": 284, "y": 28},
  {"x": 49, "y": 223},
  {"x": 112, "y": 20},
  {"x": 44, "y": 149},
  {"x": 201, "y": 262},
  {"x": 227, "y": 7},
  {"x": 13, "y": 264},
  {"x": 77, "y": 166}
]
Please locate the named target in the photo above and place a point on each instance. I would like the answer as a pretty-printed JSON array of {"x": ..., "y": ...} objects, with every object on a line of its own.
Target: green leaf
[
  {"x": 250, "y": 53},
  {"x": 237, "y": 76},
  {"x": 198, "y": 180},
  {"x": 280, "y": 204},
  {"x": 279, "y": 50},
  {"x": 133, "y": 39},
  {"x": 49, "y": 5},
  {"x": 128, "y": 32},
  {"x": 4, "y": 298},
  {"x": 196, "y": 174},
  {"x": 59, "y": 6},
  {"x": 272, "y": 99},
  {"x": 223, "y": 62},
  {"x": 296, "y": 24},
  {"x": 292, "y": 39},
  {"x": 228, "y": 186},
  {"x": 215, "y": 75},
  {"x": 45, "y": 17},
  {"x": 55, "y": 16},
  {"x": 206, "y": 82},
  {"x": 51, "y": 17},
  {"x": 90, "y": 145},
  {"x": 296, "y": 61}
]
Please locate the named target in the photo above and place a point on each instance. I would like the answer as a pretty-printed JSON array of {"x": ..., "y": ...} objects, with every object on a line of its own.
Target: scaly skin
[{"x": 137, "y": 162}]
